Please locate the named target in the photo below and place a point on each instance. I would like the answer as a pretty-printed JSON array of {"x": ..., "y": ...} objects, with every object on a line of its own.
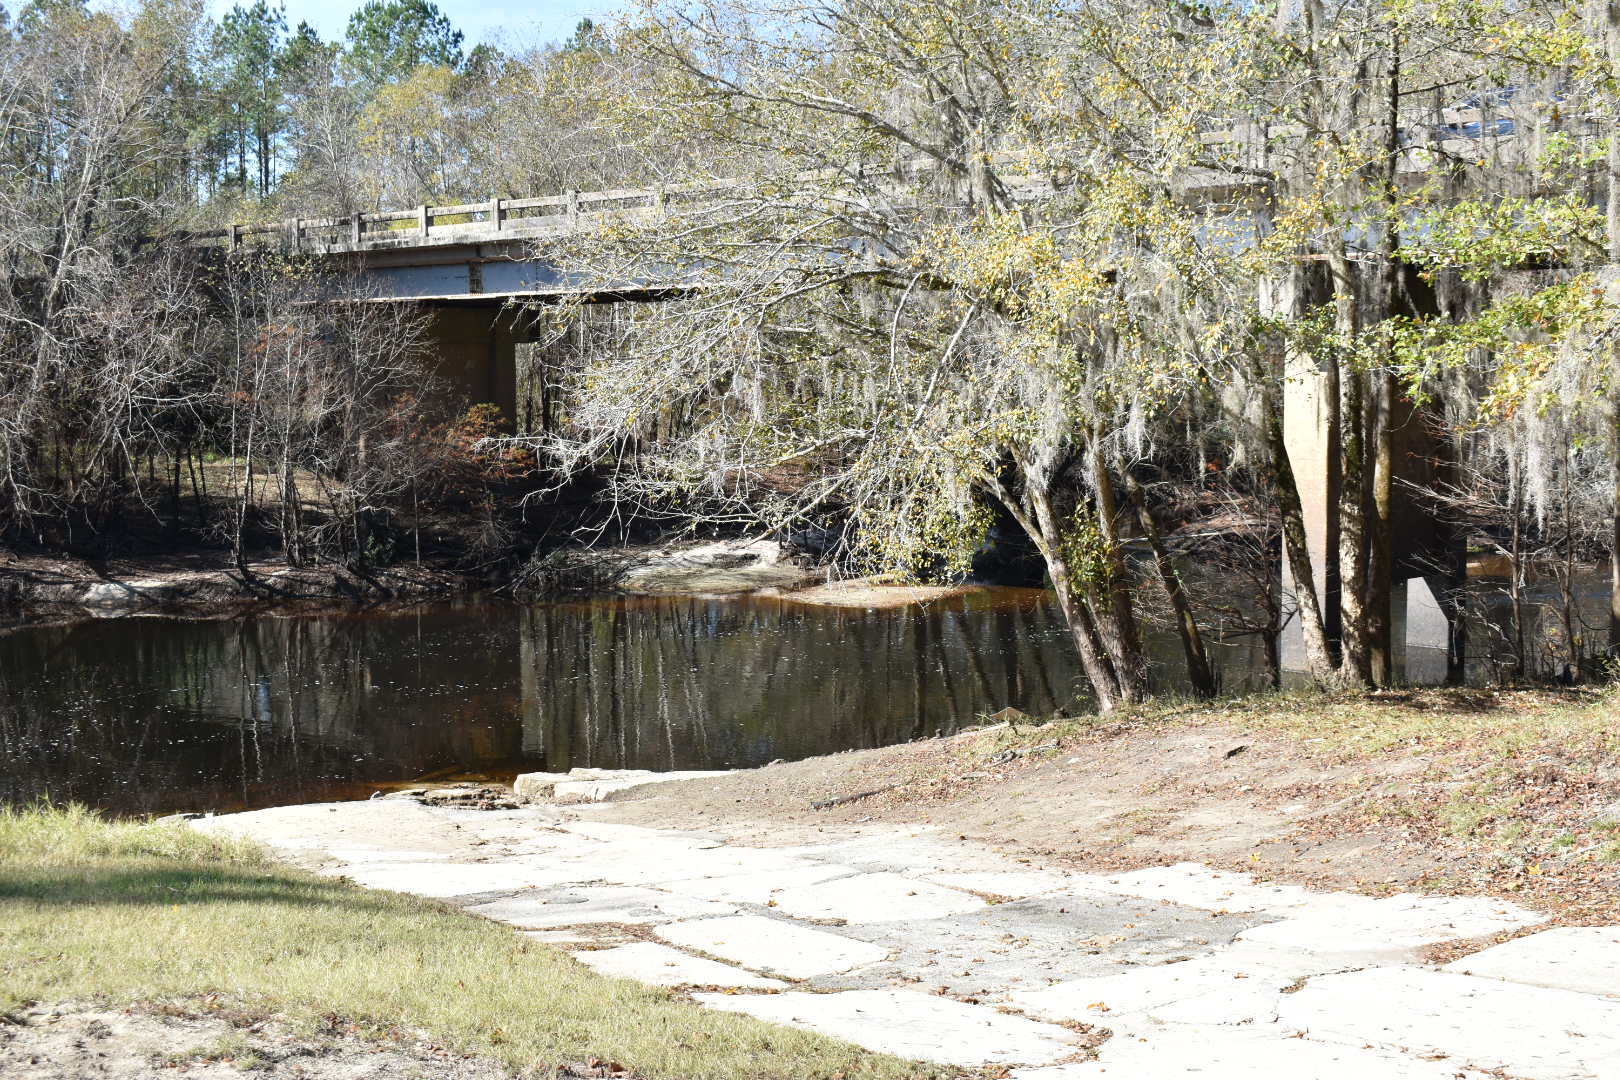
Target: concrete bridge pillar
[
  {"x": 474, "y": 348},
  {"x": 1311, "y": 436},
  {"x": 1427, "y": 623}
]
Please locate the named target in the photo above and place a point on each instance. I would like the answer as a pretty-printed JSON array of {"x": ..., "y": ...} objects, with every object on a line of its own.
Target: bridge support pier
[
  {"x": 1427, "y": 623},
  {"x": 475, "y": 353}
]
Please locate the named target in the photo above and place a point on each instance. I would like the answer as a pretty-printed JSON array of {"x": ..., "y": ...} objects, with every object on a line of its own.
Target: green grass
[{"x": 121, "y": 912}]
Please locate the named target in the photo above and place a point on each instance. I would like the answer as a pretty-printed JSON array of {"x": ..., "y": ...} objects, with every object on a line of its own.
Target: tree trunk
[
  {"x": 1355, "y": 667},
  {"x": 1516, "y": 582},
  {"x": 1381, "y": 541},
  {"x": 1116, "y": 616},
  {"x": 1040, "y": 525},
  {"x": 1612, "y": 40},
  {"x": 291, "y": 527},
  {"x": 1614, "y": 535},
  {"x": 1199, "y": 675}
]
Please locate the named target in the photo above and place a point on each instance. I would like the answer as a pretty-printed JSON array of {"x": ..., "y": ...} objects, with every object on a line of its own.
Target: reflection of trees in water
[
  {"x": 1554, "y": 623},
  {"x": 689, "y": 683},
  {"x": 158, "y": 714}
]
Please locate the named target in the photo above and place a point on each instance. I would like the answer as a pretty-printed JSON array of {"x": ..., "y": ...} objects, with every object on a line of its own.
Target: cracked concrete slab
[
  {"x": 1026, "y": 944},
  {"x": 539, "y": 910},
  {"x": 774, "y": 945},
  {"x": 915, "y": 849},
  {"x": 1529, "y": 1032},
  {"x": 911, "y": 1025},
  {"x": 1391, "y": 930},
  {"x": 756, "y": 888},
  {"x": 357, "y": 855},
  {"x": 1219, "y": 989},
  {"x": 658, "y": 862},
  {"x": 880, "y": 897},
  {"x": 1011, "y": 884},
  {"x": 615, "y": 833},
  {"x": 599, "y": 790},
  {"x": 660, "y": 965},
  {"x": 1193, "y": 885},
  {"x": 1241, "y": 1054},
  {"x": 1581, "y": 958},
  {"x": 1196, "y": 971},
  {"x": 443, "y": 880}
]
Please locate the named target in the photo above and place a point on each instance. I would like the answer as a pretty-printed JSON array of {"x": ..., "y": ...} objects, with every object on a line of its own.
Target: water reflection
[{"x": 152, "y": 714}]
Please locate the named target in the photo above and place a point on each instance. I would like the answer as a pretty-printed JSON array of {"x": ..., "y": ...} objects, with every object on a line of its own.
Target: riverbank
[
  {"x": 202, "y": 584},
  {"x": 1271, "y": 889},
  {"x": 1396, "y": 879},
  {"x": 38, "y": 588},
  {"x": 210, "y": 585}
]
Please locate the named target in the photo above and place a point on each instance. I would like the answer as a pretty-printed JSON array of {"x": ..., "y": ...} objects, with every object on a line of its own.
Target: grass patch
[
  {"x": 1351, "y": 725},
  {"x": 1466, "y": 813},
  {"x": 91, "y": 909},
  {"x": 1502, "y": 722}
]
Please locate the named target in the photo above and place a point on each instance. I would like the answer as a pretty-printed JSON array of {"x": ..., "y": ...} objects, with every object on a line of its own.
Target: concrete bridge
[{"x": 477, "y": 267}]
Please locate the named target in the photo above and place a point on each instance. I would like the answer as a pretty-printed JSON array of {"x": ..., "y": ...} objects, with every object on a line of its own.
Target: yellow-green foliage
[{"x": 128, "y": 912}]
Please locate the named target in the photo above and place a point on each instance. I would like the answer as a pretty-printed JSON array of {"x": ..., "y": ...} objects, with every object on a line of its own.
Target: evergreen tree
[{"x": 389, "y": 39}]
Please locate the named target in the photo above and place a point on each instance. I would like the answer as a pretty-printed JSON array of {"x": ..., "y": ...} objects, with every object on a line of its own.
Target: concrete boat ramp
[{"x": 910, "y": 942}]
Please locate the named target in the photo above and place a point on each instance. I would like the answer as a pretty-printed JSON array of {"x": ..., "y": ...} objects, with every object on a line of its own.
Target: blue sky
[{"x": 514, "y": 24}]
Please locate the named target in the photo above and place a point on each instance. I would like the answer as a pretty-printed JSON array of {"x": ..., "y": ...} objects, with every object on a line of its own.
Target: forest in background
[{"x": 886, "y": 346}]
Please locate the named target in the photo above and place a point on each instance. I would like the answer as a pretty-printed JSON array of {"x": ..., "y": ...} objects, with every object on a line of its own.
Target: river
[
  {"x": 149, "y": 715},
  {"x": 154, "y": 714}
]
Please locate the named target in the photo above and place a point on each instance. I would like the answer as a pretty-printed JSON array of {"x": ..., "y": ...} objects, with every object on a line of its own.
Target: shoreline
[
  {"x": 51, "y": 590},
  {"x": 1426, "y": 791},
  {"x": 1037, "y": 896}
]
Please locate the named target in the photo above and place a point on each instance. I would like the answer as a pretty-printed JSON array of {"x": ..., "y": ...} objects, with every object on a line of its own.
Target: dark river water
[
  {"x": 140, "y": 715},
  {"x": 152, "y": 715}
]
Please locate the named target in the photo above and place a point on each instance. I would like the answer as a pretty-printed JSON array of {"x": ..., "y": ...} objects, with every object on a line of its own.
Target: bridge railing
[
  {"x": 1459, "y": 133},
  {"x": 546, "y": 215},
  {"x": 492, "y": 219}
]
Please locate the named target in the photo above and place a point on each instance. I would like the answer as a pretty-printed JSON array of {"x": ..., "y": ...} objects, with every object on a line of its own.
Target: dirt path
[
  {"x": 201, "y": 1040},
  {"x": 1509, "y": 794}
]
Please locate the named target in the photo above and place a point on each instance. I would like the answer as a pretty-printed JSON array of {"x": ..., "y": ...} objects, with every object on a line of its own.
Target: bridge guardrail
[{"x": 500, "y": 219}]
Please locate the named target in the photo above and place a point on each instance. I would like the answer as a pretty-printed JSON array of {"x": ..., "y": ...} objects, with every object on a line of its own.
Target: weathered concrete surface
[
  {"x": 660, "y": 965},
  {"x": 444, "y": 879},
  {"x": 1027, "y": 944},
  {"x": 911, "y": 1025},
  {"x": 1227, "y": 988},
  {"x": 776, "y": 945},
  {"x": 1219, "y": 890},
  {"x": 1391, "y": 930},
  {"x": 913, "y": 942},
  {"x": 881, "y": 897},
  {"x": 1236, "y": 1053},
  {"x": 1524, "y": 1031},
  {"x": 580, "y": 904},
  {"x": 1583, "y": 958}
]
